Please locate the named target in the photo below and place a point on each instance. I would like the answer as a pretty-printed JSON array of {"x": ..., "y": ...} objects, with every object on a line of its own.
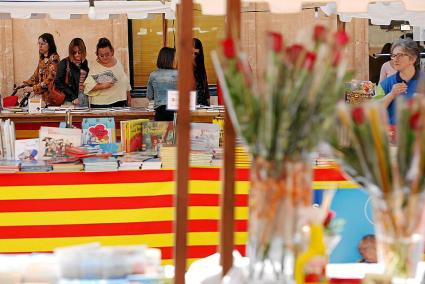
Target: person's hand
[
  {"x": 398, "y": 89},
  {"x": 129, "y": 102},
  {"x": 76, "y": 101},
  {"x": 28, "y": 89},
  {"x": 106, "y": 85}
]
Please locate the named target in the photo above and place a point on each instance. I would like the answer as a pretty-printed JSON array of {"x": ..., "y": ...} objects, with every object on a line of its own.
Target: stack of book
[
  {"x": 242, "y": 159},
  {"x": 218, "y": 155},
  {"x": 132, "y": 161},
  {"x": 71, "y": 167},
  {"x": 168, "y": 156},
  {"x": 35, "y": 166},
  {"x": 200, "y": 158},
  {"x": 9, "y": 166},
  {"x": 152, "y": 164},
  {"x": 100, "y": 164}
]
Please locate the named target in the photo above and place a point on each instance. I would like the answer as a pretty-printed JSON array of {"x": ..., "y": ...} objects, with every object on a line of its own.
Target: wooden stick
[
  {"x": 185, "y": 84},
  {"x": 228, "y": 174}
]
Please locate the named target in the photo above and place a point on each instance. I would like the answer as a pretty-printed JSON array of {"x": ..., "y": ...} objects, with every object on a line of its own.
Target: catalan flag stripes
[{"x": 42, "y": 211}]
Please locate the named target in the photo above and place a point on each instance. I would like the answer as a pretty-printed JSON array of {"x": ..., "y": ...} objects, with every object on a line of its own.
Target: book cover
[
  {"x": 26, "y": 149},
  {"x": 54, "y": 140},
  {"x": 133, "y": 135},
  {"x": 107, "y": 76},
  {"x": 204, "y": 136},
  {"x": 98, "y": 130},
  {"x": 156, "y": 134}
]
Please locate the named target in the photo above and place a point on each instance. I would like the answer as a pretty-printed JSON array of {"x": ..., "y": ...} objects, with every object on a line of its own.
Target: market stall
[{"x": 43, "y": 211}]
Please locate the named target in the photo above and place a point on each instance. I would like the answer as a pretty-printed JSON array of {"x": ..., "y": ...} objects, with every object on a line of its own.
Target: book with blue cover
[{"x": 98, "y": 130}]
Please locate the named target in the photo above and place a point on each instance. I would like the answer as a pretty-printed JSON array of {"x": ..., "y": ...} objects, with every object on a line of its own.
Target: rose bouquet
[
  {"x": 394, "y": 176},
  {"x": 281, "y": 117}
]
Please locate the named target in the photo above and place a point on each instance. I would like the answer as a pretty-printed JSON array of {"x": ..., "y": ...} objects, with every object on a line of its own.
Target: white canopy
[
  {"x": 63, "y": 9},
  {"x": 381, "y": 10}
]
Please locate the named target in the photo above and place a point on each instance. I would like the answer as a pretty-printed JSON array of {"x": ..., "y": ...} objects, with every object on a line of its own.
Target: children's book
[
  {"x": 204, "y": 136},
  {"x": 53, "y": 141},
  {"x": 156, "y": 134},
  {"x": 131, "y": 135},
  {"x": 98, "y": 130},
  {"x": 107, "y": 76},
  {"x": 27, "y": 149}
]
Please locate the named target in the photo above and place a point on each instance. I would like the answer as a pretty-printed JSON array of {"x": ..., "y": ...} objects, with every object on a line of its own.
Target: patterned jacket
[{"x": 44, "y": 75}]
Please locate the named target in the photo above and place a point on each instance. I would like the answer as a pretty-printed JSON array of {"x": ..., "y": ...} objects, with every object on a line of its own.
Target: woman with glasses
[
  {"x": 45, "y": 72},
  {"x": 406, "y": 58},
  {"x": 107, "y": 85},
  {"x": 200, "y": 74},
  {"x": 73, "y": 70}
]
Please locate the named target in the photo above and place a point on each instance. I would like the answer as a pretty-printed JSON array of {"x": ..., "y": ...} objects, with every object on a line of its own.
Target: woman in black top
[
  {"x": 200, "y": 74},
  {"x": 78, "y": 70}
]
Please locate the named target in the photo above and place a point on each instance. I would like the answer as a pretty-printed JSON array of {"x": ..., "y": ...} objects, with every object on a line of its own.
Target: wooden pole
[
  {"x": 228, "y": 174},
  {"x": 185, "y": 85},
  {"x": 164, "y": 31},
  {"x": 340, "y": 25}
]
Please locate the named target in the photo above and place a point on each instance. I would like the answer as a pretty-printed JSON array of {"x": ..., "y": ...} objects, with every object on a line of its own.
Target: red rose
[
  {"x": 294, "y": 52},
  {"x": 414, "y": 120},
  {"x": 310, "y": 59},
  {"x": 358, "y": 115},
  {"x": 276, "y": 41},
  {"x": 319, "y": 33},
  {"x": 341, "y": 38},
  {"x": 329, "y": 216},
  {"x": 228, "y": 47}
]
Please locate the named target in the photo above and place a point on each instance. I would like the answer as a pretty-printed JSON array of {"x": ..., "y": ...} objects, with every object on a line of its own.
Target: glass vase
[
  {"x": 399, "y": 225},
  {"x": 279, "y": 192}
]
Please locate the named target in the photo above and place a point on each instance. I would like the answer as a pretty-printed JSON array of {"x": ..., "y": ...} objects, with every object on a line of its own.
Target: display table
[
  {"x": 42, "y": 211},
  {"x": 27, "y": 125}
]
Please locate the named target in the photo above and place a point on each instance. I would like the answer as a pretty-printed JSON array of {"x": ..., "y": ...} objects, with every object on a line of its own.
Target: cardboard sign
[
  {"x": 173, "y": 100},
  {"x": 34, "y": 105}
]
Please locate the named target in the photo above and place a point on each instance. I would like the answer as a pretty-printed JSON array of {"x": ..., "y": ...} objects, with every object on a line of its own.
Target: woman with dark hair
[
  {"x": 45, "y": 72},
  {"x": 162, "y": 80},
  {"x": 200, "y": 74},
  {"x": 387, "y": 68},
  {"x": 75, "y": 67},
  {"x": 405, "y": 56},
  {"x": 107, "y": 85}
]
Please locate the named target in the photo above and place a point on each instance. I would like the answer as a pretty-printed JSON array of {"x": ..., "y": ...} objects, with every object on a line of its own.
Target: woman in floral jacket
[{"x": 45, "y": 72}]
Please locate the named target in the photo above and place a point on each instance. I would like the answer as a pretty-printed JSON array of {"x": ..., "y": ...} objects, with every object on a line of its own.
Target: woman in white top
[{"x": 107, "y": 85}]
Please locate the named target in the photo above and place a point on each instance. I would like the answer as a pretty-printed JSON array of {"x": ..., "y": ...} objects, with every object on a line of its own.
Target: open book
[{"x": 106, "y": 76}]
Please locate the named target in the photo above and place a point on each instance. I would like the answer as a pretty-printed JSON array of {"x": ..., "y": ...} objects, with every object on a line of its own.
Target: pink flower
[
  {"x": 294, "y": 52},
  {"x": 228, "y": 47},
  {"x": 358, "y": 115},
  {"x": 319, "y": 33},
  {"x": 276, "y": 41},
  {"x": 341, "y": 38},
  {"x": 310, "y": 59}
]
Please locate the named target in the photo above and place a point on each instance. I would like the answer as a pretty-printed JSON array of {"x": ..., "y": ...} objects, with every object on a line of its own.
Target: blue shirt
[
  {"x": 387, "y": 86},
  {"x": 159, "y": 83}
]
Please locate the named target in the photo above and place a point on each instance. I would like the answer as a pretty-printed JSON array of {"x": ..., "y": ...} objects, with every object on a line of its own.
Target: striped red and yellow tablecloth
[{"x": 42, "y": 211}]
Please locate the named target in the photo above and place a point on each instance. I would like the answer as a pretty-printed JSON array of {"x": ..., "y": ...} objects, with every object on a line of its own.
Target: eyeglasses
[
  {"x": 42, "y": 43},
  {"x": 398, "y": 55},
  {"x": 104, "y": 55}
]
